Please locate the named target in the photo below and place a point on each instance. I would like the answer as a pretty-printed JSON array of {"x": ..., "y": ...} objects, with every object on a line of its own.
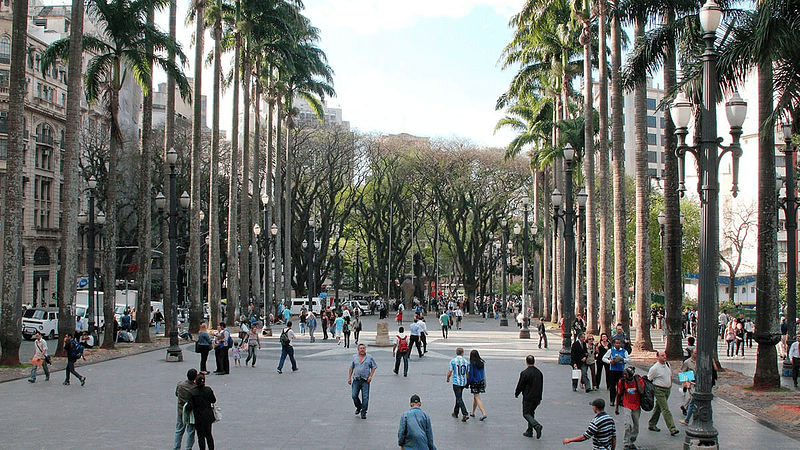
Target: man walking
[
  {"x": 400, "y": 350},
  {"x": 794, "y": 357},
  {"x": 601, "y": 431},
  {"x": 415, "y": 331},
  {"x": 286, "y": 347},
  {"x": 40, "y": 356},
  {"x": 415, "y": 432},
  {"x": 183, "y": 392},
  {"x": 459, "y": 370},
  {"x": 616, "y": 357},
  {"x": 542, "y": 333},
  {"x": 423, "y": 334},
  {"x": 362, "y": 369},
  {"x": 74, "y": 353},
  {"x": 661, "y": 376},
  {"x": 444, "y": 320},
  {"x": 578, "y": 358},
  {"x": 629, "y": 391},
  {"x": 530, "y": 386}
]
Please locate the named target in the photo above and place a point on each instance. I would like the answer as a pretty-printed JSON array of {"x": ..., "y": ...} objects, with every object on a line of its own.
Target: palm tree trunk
[
  {"x": 214, "y": 288},
  {"x": 591, "y": 189},
  {"x": 169, "y": 142},
  {"x": 110, "y": 227},
  {"x": 269, "y": 174},
  {"x": 10, "y": 332},
  {"x": 232, "y": 266},
  {"x": 605, "y": 264},
  {"x": 673, "y": 285},
  {"x": 287, "y": 203},
  {"x": 255, "y": 203},
  {"x": 642, "y": 211},
  {"x": 244, "y": 200},
  {"x": 144, "y": 208},
  {"x": 767, "y": 375},
  {"x": 282, "y": 290},
  {"x": 547, "y": 250},
  {"x": 72, "y": 180},
  {"x": 618, "y": 151},
  {"x": 195, "y": 239}
]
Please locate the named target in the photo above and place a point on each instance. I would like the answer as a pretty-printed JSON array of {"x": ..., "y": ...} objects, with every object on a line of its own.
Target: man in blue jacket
[{"x": 415, "y": 431}]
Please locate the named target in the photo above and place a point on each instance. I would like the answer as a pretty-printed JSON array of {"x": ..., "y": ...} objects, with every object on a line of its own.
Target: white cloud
[{"x": 369, "y": 16}]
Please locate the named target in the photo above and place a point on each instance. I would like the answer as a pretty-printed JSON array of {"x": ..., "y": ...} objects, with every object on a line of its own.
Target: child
[{"x": 237, "y": 356}]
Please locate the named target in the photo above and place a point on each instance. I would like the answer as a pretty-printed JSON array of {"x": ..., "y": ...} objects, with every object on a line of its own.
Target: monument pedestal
[{"x": 382, "y": 335}]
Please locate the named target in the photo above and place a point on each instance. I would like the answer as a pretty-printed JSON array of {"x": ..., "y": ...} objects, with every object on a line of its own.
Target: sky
[{"x": 428, "y": 68}]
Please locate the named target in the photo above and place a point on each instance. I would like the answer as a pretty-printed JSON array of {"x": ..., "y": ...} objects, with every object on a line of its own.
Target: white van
[{"x": 300, "y": 303}]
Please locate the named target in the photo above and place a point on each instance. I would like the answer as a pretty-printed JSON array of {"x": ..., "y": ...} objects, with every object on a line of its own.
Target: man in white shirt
[
  {"x": 661, "y": 376},
  {"x": 286, "y": 347},
  {"x": 415, "y": 331},
  {"x": 794, "y": 356},
  {"x": 423, "y": 333},
  {"x": 40, "y": 359}
]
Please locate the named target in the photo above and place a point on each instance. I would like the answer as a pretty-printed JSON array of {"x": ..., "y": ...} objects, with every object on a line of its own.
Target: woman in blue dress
[{"x": 477, "y": 382}]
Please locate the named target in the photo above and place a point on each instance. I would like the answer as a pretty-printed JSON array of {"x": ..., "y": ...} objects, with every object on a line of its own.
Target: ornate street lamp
[
  {"x": 504, "y": 237},
  {"x": 91, "y": 220},
  {"x": 787, "y": 200},
  {"x": 701, "y": 433}
]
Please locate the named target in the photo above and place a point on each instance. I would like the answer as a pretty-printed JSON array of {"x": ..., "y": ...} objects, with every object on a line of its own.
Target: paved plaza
[{"x": 129, "y": 402}]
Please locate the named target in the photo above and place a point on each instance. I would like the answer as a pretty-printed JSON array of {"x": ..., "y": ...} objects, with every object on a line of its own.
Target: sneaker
[
  {"x": 472, "y": 415},
  {"x": 527, "y": 434},
  {"x": 483, "y": 418},
  {"x": 47, "y": 379},
  {"x": 656, "y": 429},
  {"x": 358, "y": 411},
  {"x": 395, "y": 372},
  {"x": 66, "y": 383},
  {"x": 674, "y": 432},
  {"x": 279, "y": 371},
  {"x": 455, "y": 415},
  {"x": 83, "y": 381},
  {"x": 538, "y": 431},
  {"x": 364, "y": 416},
  {"x": 295, "y": 369},
  {"x": 683, "y": 410},
  {"x": 465, "y": 418},
  {"x": 31, "y": 380}
]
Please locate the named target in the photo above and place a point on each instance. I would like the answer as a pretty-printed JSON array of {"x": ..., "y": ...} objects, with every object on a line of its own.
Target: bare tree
[{"x": 738, "y": 226}]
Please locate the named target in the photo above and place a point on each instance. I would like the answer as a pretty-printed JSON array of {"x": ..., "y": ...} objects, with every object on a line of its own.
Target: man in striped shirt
[
  {"x": 601, "y": 431},
  {"x": 459, "y": 369}
]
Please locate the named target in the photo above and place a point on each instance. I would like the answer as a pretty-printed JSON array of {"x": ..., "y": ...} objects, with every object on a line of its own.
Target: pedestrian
[
  {"x": 600, "y": 350},
  {"x": 126, "y": 320},
  {"x": 444, "y": 320},
  {"x": 286, "y": 347},
  {"x": 203, "y": 346},
  {"x": 78, "y": 325},
  {"x": 629, "y": 393},
  {"x": 183, "y": 392},
  {"x": 616, "y": 358},
  {"x": 400, "y": 350},
  {"x": 579, "y": 354},
  {"x": 423, "y": 335},
  {"x": 252, "y": 342},
  {"x": 660, "y": 374},
  {"x": 362, "y": 369},
  {"x": 303, "y": 320},
  {"x": 459, "y": 317},
  {"x": 40, "y": 358},
  {"x": 287, "y": 315},
  {"x": 415, "y": 432},
  {"x": 201, "y": 399},
  {"x": 591, "y": 361},
  {"x": 601, "y": 431},
  {"x": 158, "y": 319},
  {"x": 338, "y": 325},
  {"x": 690, "y": 347},
  {"x": 626, "y": 340},
  {"x": 74, "y": 353},
  {"x": 415, "y": 331},
  {"x": 477, "y": 382},
  {"x": 794, "y": 357},
  {"x": 740, "y": 338},
  {"x": 459, "y": 371},
  {"x": 688, "y": 386},
  {"x": 399, "y": 317},
  {"x": 749, "y": 329},
  {"x": 236, "y": 352},
  {"x": 542, "y": 333},
  {"x": 324, "y": 317},
  {"x": 346, "y": 333},
  {"x": 357, "y": 327},
  {"x": 311, "y": 324},
  {"x": 221, "y": 350},
  {"x": 730, "y": 339},
  {"x": 530, "y": 386}
]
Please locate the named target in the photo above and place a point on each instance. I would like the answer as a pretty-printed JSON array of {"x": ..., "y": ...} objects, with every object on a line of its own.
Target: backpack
[
  {"x": 285, "y": 341},
  {"x": 76, "y": 352},
  {"x": 648, "y": 399},
  {"x": 402, "y": 344}
]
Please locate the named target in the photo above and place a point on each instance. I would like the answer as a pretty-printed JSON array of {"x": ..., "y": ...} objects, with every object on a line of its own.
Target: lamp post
[
  {"x": 504, "y": 318},
  {"x": 702, "y": 432},
  {"x": 174, "y": 352},
  {"x": 534, "y": 232},
  {"x": 90, "y": 220},
  {"x": 789, "y": 205},
  {"x": 524, "y": 332}
]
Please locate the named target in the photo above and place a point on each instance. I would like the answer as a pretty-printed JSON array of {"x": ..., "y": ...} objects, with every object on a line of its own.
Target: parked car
[
  {"x": 363, "y": 305},
  {"x": 42, "y": 320}
]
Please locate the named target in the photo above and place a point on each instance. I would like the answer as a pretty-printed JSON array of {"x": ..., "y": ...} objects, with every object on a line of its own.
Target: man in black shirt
[
  {"x": 530, "y": 386},
  {"x": 578, "y": 356}
]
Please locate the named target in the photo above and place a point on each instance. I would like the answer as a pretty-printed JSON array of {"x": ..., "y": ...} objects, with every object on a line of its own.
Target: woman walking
[
  {"x": 477, "y": 382},
  {"x": 203, "y": 347},
  {"x": 346, "y": 331},
  {"x": 357, "y": 327},
  {"x": 311, "y": 324},
  {"x": 252, "y": 341},
  {"x": 601, "y": 349},
  {"x": 200, "y": 400},
  {"x": 730, "y": 339},
  {"x": 591, "y": 361}
]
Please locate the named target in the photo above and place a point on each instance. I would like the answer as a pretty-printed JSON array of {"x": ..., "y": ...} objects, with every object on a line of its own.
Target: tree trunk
[
  {"x": 143, "y": 208},
  {"x": 232, "y": 266},
  {"x": 10, "y": 332},
  {"x": 110, "y": 228},
  {"x": 591, "y": 189},
  {"x": 605, "y": 264},
  {"x": 72, "y": 180},
  {"x": 195, "y": 239},
  {"x": 169, "y": 142},
  {"x": 269, "y": 305},
  {"x": 287, "y": 205},
  {"x": 642, "y": 211},
  {"x": 214, "y": 288},
  {"x": 244, "y": 201},
  {"x": 618, "y": 152},
  {"x": 255, "y": 203},
  {"x": 767, "y": 374},
  {"x": 281, "y": 287}
]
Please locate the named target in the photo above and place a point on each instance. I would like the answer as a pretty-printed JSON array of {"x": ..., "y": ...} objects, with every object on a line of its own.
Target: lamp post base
[
  {"x": 565, "y": 356},
  {"x": 786, "y": 368},
  {"x": 525, "y": 333},
  {"x": 174, "y": 352},
  {"x": 503, "y": 321}
]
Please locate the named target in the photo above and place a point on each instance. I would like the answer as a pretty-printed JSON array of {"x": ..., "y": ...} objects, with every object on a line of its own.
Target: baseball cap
[{"x": 598, "y": 403}]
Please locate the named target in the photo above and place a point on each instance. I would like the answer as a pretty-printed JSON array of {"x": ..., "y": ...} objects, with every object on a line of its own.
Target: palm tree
[
  {"x": 10, "y": 332},
  {"x": 122, "y": 50},
  {"x": 605, "y": 263},
  {"x": 232, "y": 266},
  {"x": 195, "y": 242}
]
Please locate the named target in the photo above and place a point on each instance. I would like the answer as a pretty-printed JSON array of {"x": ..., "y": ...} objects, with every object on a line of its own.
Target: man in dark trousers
[
  {"x": 530, "y": 386},
  {"x": 182, "y": 391},
  {"x": 579, "y": 354},
  {"x": 542, "y": 333}
]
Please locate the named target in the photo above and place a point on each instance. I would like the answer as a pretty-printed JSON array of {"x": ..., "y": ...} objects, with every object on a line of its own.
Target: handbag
[
  {"x": 188, "y": 415},
  {"x": 217, "y": 412},
  {"x": 576, "y": 374},
  {"x": 47, "y": 360}
]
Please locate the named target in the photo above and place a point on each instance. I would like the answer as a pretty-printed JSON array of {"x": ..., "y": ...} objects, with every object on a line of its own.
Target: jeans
[
  {"x": 631, "y": 425},
  {"x": 662, "y": 407},
  {"x": 287, "y": 350},
  {"x": 689, "y": 410},
  {"x": 346, "y": 339},
  {"x": 251, "y": 353},
  {"x": 204, "y": 357},
  {"x": 739, "y": 346},
  {"x": 324, "y": 330},
  {"x": 302, "y": 327},
  {"x": 180, "y": 428},
  {"x": 158, "y": 327},
  {"x": 360, "y": 384},
  {"x": 529, "y": 413},
  {"x": 731, "y": 346},
  {"x": 44, "y": 367},
  {"x": 404, "y": 356},
  {"x": 543, "y": 336},
  {"x": 223, "y": 363},
  {"x": 444, "y": 331},
  {"x": 458, "y": 390},
  {"x": 204, "y": 436},
  {"x": 71, "y": 369},
  {"x": 311, "y": 333}
]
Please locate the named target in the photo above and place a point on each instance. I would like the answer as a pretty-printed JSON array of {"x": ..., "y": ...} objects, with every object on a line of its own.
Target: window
[
  {"x": 727, "y": 290},
  {"x": 744, "y": 290},
  {"x": 752, "y": 289},
  {"x": 651, "y": 104},
  {"x": 38, "y": 61},
  {"x": 651, "y": 121},
  {"x": 652, "y": 157},
  {"x": 652, "y": 173},
  {"x": 63, "y": 99},
  {"x": 3, "y": 148},
  {"x": 5, "y": 50},
  {"x": 663, "y": 123},
  {"x": 4, "y": 78},
  {"x": 651, "y": 139}
]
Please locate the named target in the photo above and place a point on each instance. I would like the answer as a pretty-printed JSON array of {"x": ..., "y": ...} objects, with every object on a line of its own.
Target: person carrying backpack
[
  {"x": 222, "y": 342},
  {"x": 401, "y": 350},
  {"x": 286, "y": 347},
  {"x": 629, "y": 393},
  {"x": 74, "y": 352}
]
